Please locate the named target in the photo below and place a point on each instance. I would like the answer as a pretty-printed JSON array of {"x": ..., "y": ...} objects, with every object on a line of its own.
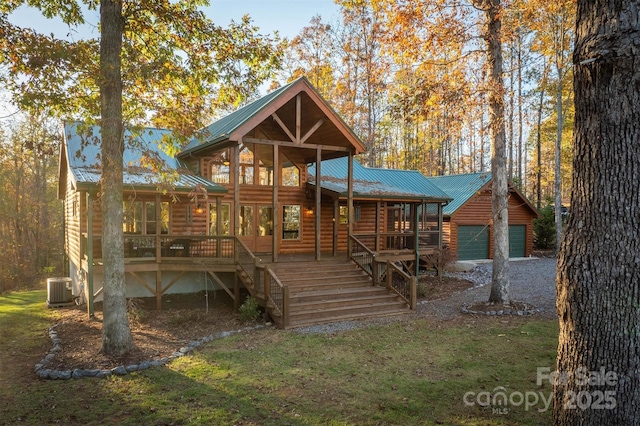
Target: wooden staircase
[{"x": 330, "y": 291}]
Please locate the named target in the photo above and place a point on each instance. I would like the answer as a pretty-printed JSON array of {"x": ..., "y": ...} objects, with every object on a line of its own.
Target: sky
[{"x": 287, "y": 17}]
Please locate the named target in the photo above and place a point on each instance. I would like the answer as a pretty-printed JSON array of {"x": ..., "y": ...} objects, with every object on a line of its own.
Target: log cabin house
[
  {"x": 245, "y": 211},
  {"x": 467, "y": 229}
]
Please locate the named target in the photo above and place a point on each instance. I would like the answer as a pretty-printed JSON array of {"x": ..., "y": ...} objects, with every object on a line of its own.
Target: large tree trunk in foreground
[
  {"x": 499, "y": 188},
  {"x": 598, "y": 280},
  {"x": 116, "y": 334}
]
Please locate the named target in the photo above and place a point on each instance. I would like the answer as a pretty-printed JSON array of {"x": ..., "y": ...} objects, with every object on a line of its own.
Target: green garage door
[
  {"x": 473, "y": 242},
  {"x": 517, "y": 240}
]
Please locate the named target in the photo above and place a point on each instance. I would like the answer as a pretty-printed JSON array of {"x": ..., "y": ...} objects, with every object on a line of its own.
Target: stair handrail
[
  {"x": 365, "y": 258},
  {"x": 242, "y": 247},
  {"x": 276, "y": 296},
  {"x": 407, "y": 288}
]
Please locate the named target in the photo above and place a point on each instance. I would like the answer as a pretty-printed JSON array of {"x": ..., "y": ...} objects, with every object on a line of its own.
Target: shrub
[
  {"x": 134, "y": 310},
  {"x": 250, "y": 310}
]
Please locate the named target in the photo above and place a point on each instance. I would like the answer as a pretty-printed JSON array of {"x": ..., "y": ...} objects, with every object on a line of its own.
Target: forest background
[{"x": 409, "y": 77}]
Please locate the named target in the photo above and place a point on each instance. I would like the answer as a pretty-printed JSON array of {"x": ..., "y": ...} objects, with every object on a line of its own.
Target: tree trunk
[
  {"x": 539, "y": 148},
  {"x": 499, "y": 190},
  {"x": 598, "y": 281},
  {"x": 116, "y": 334},
  {"x": 558, "y": 151}
]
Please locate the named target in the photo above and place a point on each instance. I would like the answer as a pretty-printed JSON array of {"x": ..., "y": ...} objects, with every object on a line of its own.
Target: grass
[{"x": 413, "y": 372}]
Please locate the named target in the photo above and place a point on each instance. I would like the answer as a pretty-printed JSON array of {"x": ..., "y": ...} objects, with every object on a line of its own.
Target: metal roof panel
[{"x": 83, "y": 152}]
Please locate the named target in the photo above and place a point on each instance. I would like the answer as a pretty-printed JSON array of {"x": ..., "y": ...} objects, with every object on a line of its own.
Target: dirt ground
[{"x": 156, "y": 334}]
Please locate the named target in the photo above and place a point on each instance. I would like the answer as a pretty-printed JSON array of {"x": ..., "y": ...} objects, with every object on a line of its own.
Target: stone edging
[
  {"x": 45, "y": 373},
  {"x": 501, "y": 312}
]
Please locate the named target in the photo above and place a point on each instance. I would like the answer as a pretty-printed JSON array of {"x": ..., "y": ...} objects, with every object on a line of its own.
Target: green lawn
[{"x": 404, "y": 373}]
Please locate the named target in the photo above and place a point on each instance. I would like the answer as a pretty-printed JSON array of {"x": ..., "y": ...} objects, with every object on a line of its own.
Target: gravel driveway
[{"x": 532, "y": 282}]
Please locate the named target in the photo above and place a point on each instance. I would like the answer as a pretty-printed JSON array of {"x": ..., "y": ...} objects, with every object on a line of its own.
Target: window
[
  {"x": 265, "y": 228},
  {"x": 291, "y": 222},
  {"x": 344, "y": 215},
  {"x": 220, "y": 167},
  {"x": 246, "y": 165},
  {"x": 246, "y": 221},
  {"x": 290, "y": 175},
  {"x": 225, "y": 216},
  {"x": 139, "y": 217},
  {"x": 265, "y": 164}
]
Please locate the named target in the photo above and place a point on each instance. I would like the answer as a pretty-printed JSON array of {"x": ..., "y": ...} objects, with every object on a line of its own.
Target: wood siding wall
[
  {"x": 73, "y": 203},
  {"x": 477, "y": 211}
]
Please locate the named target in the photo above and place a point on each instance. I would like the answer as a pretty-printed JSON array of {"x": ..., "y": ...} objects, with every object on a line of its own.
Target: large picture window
[
  {"x": 140, "y": 217},
  {"x": 291, "y": 222},
  {"x": 225, "y": 216}
]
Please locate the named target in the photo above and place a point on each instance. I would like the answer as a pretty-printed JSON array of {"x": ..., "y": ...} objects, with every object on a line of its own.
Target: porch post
[
  {"x": 318, "y": 200},
  {"x": 236, "y": 189},
  {"x": 350, "y": 203},
  {"x": 158, "y": 229},
  {"x": 158, "y": 253},
  {"x": 218, "y": 228},
  {"x": 275, "y": 219},
  {"x": 378, "y": 226},
  {"x": 440, "y": 232},
  {"x": 416, "y": 236},
  {"x": 90, "y": 309},
  {"x": 336, "y": 224}
]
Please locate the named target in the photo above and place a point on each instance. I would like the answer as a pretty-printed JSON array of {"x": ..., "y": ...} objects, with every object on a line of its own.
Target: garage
[
  {"x": 473, "y": 242},
  {"x": 468, "y": 218},
  {"x": 517, "y": 240}
]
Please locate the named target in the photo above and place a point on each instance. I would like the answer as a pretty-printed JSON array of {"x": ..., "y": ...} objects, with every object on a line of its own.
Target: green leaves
[{"x": 179, "y": 67}]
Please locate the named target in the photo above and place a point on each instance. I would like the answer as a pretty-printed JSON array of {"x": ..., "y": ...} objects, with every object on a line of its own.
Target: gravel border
[{"x": 45, "y": 373}]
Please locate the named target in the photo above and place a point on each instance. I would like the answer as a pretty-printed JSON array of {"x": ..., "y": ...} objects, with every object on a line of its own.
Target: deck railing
[
  {"x": 403, "y": 284},
  {"x": 363, "y": 256},
  {"x": 399, "y": 240},
  {"x": 247, "y": 263},
  {"x": 155, "y": 248},
  {"x": 276, "y": 295}
]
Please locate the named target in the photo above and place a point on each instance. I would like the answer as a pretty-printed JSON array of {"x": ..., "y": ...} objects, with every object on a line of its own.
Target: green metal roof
[
  {"x": 221, "y": 129},
  {"x": 376, "y": 183},
  {"x": 460, "y": 187},
  {"x": 83, "y": 158}
]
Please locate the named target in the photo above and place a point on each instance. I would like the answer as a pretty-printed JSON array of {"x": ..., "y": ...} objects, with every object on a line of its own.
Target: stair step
[
  {"x": 303, "y": 322},
  {"x": 320, "y": 273},
  {"x": 368, "y": 309},
  {"x": 302, "y": 275},
  {"x": 344, "y": 303},
  {"x": 332, "y": 294},
  {"x": 296, "y": 288}
]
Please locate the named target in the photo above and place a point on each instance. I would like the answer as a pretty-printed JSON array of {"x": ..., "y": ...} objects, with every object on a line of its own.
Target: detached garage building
[{"x": 467, "y": 224}]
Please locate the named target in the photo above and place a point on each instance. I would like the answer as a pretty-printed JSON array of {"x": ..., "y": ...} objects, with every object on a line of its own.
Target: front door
[{"x": 256, "y": 227}]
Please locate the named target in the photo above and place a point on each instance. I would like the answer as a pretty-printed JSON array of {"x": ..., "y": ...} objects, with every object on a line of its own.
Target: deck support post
[{"x": 159, "y": 290}]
